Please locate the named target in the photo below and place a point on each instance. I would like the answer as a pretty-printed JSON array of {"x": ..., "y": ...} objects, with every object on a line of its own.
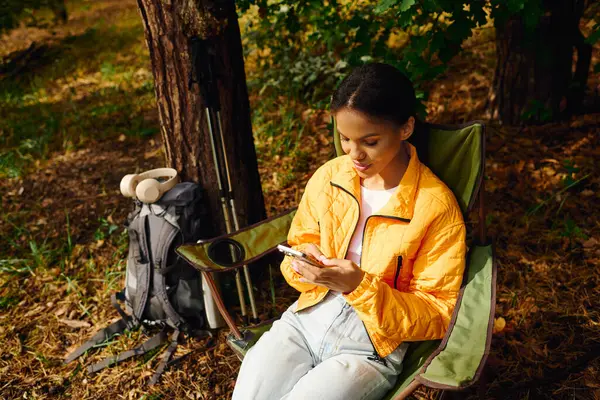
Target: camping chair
[{"x": 456, "y": 154}]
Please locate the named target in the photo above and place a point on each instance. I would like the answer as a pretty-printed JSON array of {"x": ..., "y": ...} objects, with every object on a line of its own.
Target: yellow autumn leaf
[{"x": 499, "y": 324}]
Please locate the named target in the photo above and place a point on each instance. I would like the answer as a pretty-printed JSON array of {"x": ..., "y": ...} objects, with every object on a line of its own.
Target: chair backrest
[{"x": 456, "y": 154}]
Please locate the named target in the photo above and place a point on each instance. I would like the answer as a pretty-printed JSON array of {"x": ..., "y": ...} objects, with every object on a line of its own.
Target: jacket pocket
[{"x": 397, "y": 274}]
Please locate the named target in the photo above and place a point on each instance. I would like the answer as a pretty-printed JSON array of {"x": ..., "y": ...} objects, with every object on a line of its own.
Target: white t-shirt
[{"x": 371, "y": 202}]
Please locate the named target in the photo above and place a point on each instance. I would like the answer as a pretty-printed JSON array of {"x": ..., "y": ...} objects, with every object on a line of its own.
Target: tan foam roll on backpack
[{"x": 146, "y": 187}]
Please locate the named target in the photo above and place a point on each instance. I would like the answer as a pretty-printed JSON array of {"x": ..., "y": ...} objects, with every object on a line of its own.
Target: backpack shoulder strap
[
  {"x": 142, "y": 269},
  {"x": 166, "y": 356},
  {"x": 132, "y": 321},
  {"x": 145, "y": 347},
  {"x": 99, "y": 337},
  {"x": 162, "y": 234}
]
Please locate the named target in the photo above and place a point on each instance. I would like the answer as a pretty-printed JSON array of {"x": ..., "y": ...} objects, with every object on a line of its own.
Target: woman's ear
[{"x": 408, "y": 128}]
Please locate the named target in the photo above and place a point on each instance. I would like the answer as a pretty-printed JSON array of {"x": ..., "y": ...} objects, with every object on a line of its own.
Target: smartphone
[{"x": 299, "y": 255}]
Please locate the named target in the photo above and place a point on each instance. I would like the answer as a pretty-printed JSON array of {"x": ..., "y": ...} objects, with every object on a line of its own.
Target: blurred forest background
[{"x": 78, "y": 112}]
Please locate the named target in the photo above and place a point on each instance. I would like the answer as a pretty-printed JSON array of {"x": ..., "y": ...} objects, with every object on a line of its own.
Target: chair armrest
[
  {"x": 249, "y": 244},
  {"x": 460, "y": 359}
]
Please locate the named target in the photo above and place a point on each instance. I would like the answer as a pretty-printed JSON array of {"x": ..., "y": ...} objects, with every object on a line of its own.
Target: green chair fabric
[
  {"x": 254, "y": 242},
  {"x": 466, "y": 344},
  {"x": 456, "y": 155}
]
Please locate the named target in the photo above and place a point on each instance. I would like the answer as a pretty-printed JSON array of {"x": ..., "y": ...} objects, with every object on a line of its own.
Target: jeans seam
[
  {"x": 323, "y": 340},
  {"x": 366, "y": 395},
  {"x": 302, "y": 335}
]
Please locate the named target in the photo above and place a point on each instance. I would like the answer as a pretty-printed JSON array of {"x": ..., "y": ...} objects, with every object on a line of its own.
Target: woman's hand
[
  {"x": 339, "y": 275},
  {"x": 312, "y": 250}
]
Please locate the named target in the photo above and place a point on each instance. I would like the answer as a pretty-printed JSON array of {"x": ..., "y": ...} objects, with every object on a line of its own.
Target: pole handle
[{"x": 203, "y": 71}]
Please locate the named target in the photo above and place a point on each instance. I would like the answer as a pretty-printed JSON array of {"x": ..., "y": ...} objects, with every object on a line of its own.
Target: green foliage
[
  {"x": 303, "y": 48},
  {"x": 567, "y": 183},
  {"x": 594, "y": 10},
  {"x": 105, "y": 229},
  {"x": 152, "y": 396},
  {"x": 571, "y": 169},
  {"x": 46, "y": 109},
  {"x": 12, "y": 12},
  {"x": 277, "y": 130},
  {"x": 536, "y": 111},
  {"x": 572, "y": 231},
  {"x": 7, "y": 301},
  {"x": 593, "y": 38},
  {"x": 402, "y": 5},
  {"x": 41, "y": 254}
]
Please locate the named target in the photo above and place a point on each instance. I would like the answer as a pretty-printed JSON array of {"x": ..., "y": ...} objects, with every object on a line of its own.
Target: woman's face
[{"x": 372, "y": 145}]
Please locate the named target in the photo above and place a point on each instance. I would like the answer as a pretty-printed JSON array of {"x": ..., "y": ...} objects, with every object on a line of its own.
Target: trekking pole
[
  {"x": 209, "y": 91},
  {"x": 199, "y": 46},
  {"x": 217, "y": 109},
  {"x": 234, "y": 213},
  {"x": 238, "y": 279}
]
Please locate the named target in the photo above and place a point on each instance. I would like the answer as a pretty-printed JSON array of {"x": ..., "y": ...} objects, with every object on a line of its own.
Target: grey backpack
[{"x": 161, "y": 289}]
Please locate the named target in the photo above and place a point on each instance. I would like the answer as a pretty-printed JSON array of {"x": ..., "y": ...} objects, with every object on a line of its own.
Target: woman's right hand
[{"x": 312, "y": 250}]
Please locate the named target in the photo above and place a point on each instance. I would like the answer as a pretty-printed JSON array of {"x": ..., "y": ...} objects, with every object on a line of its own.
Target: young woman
[{"x": 392, "y": 239}]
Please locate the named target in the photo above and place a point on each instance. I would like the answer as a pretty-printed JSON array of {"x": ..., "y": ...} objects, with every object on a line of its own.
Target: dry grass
[{"x": 62, "y": 248}]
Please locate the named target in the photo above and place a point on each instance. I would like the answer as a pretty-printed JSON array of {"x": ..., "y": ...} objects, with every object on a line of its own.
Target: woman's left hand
[{"x": 338, "y": 275}]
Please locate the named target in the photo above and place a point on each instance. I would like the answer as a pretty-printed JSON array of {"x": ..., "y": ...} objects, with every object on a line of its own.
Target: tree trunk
[
  {"x": 169, "y": 26},
  {"x": 534, "y": 79}
]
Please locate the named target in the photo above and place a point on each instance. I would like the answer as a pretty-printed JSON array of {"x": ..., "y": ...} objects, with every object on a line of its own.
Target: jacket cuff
[{"x": 360, "y": 290}]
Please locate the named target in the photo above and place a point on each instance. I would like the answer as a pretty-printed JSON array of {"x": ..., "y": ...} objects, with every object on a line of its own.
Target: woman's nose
[{"x": 356, "y": 153}]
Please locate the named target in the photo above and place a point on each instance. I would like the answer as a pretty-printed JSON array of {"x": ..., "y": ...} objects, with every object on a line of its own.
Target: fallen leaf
[
  {"x": 33, "y": 312},
  {"x": 499, "y": 325},
  {"x": 323, "y": 139},
  {"x": 578, "y": 123},
  {"x": 47, "y": 202},
  {"x": 146, "y": 374},
  {"x": 73, "y": 323},
  {"x": 587, "y": 193},
  {"x": 61, "y": 311}
]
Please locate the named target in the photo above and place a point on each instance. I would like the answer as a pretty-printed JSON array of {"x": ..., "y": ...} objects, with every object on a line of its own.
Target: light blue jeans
[{"x": 319, "y": 353}]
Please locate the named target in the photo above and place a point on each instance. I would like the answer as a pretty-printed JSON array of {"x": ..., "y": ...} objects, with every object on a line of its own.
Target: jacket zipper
[
  {"x": 398, "y": 267},
  {"x": 375, "y": 357}
]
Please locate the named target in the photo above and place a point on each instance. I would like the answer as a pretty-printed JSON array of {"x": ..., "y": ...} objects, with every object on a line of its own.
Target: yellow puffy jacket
[{"x": 413, "y": 252}]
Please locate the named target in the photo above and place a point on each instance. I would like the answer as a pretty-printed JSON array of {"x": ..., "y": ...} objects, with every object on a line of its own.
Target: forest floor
[{"x": 78, "y": 113}]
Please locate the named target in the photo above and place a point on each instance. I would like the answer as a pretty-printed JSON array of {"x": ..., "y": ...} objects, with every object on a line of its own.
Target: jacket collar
[{"x": 401, "y": 204}]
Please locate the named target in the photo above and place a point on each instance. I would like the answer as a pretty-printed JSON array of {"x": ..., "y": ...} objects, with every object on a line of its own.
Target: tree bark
[
  {"x": 534, "y": 79},
  {"x": 169, "y": 26}
]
